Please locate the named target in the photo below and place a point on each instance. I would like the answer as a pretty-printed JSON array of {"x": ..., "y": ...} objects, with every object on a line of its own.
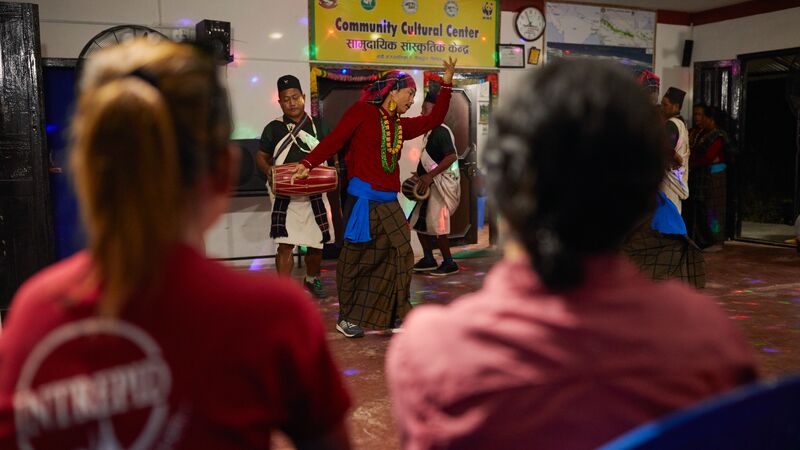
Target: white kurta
[
  {"x": 675, "y": 185},
  {"x": 444, "y": 199}
]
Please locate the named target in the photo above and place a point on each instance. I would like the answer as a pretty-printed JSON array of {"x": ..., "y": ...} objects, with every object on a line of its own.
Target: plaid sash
[{"x": 293, "y": 132}]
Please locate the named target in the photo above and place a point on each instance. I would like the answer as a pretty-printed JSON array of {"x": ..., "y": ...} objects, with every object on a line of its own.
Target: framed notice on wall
[
  {"x": 510, "y": 55},
  {"x": 404, "y": 33}
]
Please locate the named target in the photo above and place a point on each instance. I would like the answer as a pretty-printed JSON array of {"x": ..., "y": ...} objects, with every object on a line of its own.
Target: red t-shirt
[
  {"x": 214, "y": 359},
  {"x": 515, "y": 365},
  {"x": 360, "y": 130}
]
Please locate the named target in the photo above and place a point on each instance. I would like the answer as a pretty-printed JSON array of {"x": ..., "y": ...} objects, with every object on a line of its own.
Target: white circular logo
[
  {"x": 61, "y": 394},
  {"x": 451, "y": 8},
  {"x": 410, "y": 6}
]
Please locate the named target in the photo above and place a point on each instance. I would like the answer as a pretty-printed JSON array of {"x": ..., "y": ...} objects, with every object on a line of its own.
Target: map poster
[{"x": 623, "y": 35}]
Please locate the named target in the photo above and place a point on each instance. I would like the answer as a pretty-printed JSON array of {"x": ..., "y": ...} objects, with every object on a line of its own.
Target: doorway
[
  {"x": 718, "y": 84},
  {"x": 769, "y": 175},
  {"x": 59, "y": 78}
]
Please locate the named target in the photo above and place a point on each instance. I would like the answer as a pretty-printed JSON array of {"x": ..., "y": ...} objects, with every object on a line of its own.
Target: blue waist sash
[
  {"x": 667, "y": 219},
  {"x": 718, "y": 167},
  {"x": 358, "y": 225}
]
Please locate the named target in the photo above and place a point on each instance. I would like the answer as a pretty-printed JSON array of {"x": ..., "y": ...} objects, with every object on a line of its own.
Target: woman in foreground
[
  {"x": 140, "y": 341},
  {"x": 566, "y": 345}
]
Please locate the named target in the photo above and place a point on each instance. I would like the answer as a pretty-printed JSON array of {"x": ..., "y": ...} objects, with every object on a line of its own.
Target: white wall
[
  {"x": 509, "y": 78},
  {"x": 669, "y": 55},
  {"x": 728, "y": 39},
  {"x": 259, "y": 60},
  {"x": 66, "y": 26}
]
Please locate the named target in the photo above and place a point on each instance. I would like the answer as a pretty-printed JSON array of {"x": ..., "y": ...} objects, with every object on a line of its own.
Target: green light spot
[{"x": 243, "y": 132}]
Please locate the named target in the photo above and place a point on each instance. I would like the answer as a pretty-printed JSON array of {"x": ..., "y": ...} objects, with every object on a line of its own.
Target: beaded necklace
[
  {"x": 696, "y": 135},
  {"x": 387, "y": 145}
]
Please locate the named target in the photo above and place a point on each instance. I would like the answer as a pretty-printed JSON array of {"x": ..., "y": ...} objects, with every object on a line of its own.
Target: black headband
[{"x": 145, "y": 76}]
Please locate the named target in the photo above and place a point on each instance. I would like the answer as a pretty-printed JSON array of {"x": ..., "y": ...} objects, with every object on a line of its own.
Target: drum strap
[
  {"x": 294, "y": 130},
  {"x": 306, "y": 139}
]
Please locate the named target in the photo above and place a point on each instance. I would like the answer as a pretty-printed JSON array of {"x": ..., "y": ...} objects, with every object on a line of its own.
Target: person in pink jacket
[{"x": 566, "y": 345}]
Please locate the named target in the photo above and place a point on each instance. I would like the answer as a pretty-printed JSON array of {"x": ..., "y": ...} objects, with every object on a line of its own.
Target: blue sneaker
[{"x": 349, "y": 330}]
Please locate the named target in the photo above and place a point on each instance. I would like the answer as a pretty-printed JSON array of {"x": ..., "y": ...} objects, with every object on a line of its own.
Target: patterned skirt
[
  {"x": 664, "y": 256},
  {"x": 374, "y": 278},
  {"x": 704, "y": 210}
]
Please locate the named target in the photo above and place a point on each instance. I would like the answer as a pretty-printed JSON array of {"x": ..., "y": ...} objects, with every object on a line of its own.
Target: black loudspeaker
[
  {"x": 688, "y": 45},
  {"x": 251, "y": 180},
  {"x": 216, "y": 36}
]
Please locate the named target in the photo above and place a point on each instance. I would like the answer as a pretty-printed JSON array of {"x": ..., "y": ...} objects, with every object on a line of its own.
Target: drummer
[{"x": 295, "y": 221}]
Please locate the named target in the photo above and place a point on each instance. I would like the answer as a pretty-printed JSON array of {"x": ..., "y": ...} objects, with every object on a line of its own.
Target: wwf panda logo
[{"x": 488, "y": 9}]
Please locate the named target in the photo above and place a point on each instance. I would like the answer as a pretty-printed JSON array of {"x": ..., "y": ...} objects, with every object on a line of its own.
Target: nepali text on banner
[{"x": 404, "y": 32}]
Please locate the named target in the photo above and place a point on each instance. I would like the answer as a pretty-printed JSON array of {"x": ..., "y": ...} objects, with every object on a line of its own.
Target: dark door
[
  {"x": 462, "y": 120},
  {"x": 769, "y": 175},
  {"x": 719, "y": 84},
  {"x": 26, "y": 231}
]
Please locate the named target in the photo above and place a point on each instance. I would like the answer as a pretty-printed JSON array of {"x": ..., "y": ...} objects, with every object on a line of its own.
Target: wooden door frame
[{"x": 40, "y": 242}]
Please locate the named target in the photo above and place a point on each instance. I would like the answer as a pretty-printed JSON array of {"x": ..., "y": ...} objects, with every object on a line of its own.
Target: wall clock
[{"x": 530, "y": 23}]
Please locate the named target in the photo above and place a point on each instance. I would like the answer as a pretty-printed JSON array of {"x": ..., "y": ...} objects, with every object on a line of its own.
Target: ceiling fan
[{"x": 116, "y": 35}]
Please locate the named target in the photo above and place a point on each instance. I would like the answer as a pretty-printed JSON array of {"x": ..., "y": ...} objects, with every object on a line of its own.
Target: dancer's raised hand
[{"x": 449, "y": 69}]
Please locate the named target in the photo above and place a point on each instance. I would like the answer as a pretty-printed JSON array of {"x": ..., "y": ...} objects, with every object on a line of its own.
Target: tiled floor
[
  {"x": 772, "y": 232},
  {"x": 758, "y": 285}
]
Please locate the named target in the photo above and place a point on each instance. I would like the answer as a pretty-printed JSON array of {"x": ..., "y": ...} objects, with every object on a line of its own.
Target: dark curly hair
[
  {"x": 714, "y": 113},
  {"x": 574, "y": 163}
]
